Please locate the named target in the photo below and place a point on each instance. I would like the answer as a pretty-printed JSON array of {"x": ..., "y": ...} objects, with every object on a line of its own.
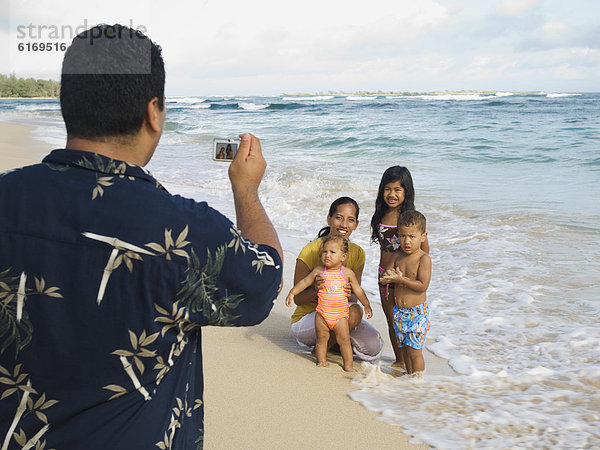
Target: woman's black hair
[
  {"x": 333, "y": 209},
  {"x": 394, "y": 173}
]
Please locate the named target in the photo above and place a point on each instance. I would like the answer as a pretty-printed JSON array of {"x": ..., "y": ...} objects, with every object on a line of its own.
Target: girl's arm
[
  {"x": 301, "y": 285},
  {"x": 308, "y": 295},
  {"x": 358, "y": 291}
]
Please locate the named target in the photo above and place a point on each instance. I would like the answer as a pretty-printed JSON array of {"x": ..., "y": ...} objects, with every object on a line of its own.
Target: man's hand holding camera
[{"x": 246, "y": 172}]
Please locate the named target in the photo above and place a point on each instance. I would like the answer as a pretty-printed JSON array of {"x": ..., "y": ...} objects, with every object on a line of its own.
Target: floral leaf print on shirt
[
  {"x": 175, "y": 247},
  {"x": 132, "y": 360},
  {"x": 177, "y": 320},
  {"x": 19, "y": 385},
  {"x": 200, "y": 292},
  {"x": 104, "y": 165},
  {"x": 130, "y": 251},
  {"x": 240, "y": 242},
  {"x": 182, "y": 410},
  {"x": 101, "y": 181},
  {"x": 15, "y": 326}
]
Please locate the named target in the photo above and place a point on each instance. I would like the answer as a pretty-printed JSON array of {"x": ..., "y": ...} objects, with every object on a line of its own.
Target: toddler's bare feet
[
  {"x": 398, "y": 364},
  {"x": 349, "y": 368},
  {"x": 321, "y": 364}
]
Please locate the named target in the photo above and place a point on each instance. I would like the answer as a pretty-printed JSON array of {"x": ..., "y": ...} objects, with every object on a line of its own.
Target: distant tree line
[{"x": 11, "y": 86}]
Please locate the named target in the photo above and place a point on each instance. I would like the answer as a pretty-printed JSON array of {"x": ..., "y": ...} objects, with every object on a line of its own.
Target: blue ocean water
[{"x": 509, "y": 183}]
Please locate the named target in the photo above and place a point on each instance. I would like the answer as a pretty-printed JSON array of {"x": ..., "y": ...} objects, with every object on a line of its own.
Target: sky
[{"x": 268, "y": 47}]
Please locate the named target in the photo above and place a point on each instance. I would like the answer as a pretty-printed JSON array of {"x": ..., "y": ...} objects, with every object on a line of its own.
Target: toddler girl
[{"x": 332, "y": 309}]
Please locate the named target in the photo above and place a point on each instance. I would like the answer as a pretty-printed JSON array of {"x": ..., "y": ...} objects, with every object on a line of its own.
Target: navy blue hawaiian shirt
[{"x": 105, "y": 282}]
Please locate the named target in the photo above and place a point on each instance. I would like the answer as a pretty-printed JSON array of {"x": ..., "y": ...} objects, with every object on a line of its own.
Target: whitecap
[
  {"x": 39, "y": 107},
  {"x": 558, "y": 95},
  {"x": 494, "y": 322},
  {"x": 200, "y": 106},
  {"x": 186, "y": 99},
  {"x": 253, "y": 106},
  {"x": 443, "y": 347},
  {"x": 458, "y": 97},
  {"x": 308, "y": 97},
  {"x": 463, "y": 364},
  {"x": 540, "y": 371}
]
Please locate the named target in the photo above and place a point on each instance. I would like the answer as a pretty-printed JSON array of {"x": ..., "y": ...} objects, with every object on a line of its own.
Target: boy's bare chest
[{"x": 409, "y": 266}]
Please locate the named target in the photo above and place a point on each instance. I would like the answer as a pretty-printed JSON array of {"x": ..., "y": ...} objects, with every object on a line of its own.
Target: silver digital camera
[{"x": 225, "y": 149}]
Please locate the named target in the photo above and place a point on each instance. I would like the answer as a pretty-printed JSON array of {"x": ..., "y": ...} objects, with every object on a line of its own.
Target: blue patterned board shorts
[{"x": 411, "y": 325}]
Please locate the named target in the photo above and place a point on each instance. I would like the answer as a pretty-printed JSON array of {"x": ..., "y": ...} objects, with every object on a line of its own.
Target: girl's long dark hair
[
  {"x": 333, "y": 209},
  {"x": 391, "y": 174}
]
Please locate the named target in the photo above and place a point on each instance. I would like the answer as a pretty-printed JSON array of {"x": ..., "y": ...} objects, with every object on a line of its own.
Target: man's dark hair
[{"x": 109, "y": 74}]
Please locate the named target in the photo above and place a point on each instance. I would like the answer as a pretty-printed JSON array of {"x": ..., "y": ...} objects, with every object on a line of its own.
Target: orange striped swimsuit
[{"x": 333, "y": 301}]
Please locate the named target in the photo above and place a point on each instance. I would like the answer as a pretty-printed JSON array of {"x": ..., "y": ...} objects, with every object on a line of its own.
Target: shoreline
[
  {"x": 290, "y": 399},
  {"x": 261, "y": 389},
  {"x": 28, "y": 98}
]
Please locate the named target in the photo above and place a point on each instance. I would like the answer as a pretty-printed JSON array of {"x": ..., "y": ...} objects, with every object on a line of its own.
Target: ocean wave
[
  {"x": 361, "y": 97},
  {"x": 171, "y": 126},
  {"x": 558, "y": 95},
  {"x": 280, "y": 106},
  {"x": 224, "y": 106},
  {"x": 38, "y": 107},
  {"x": 244, "y": 106},
  {"x": 185, "y": 106},
  {"x": 457, "y": 97},
  {"x": 497, "y": 103},
  {"x": 308, "y": 98},
  {"x": 381, "y": 105},
  {"x": 185, "y": 100},
  {"x": 253, "y": 106},
  {"x": 592, "y": 162}
]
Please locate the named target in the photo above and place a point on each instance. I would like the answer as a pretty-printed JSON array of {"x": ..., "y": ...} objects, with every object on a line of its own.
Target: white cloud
[
  {"x": 268, "y": 46},
  {"x": 514, "y": 7},
  {"x": 554, "y": 27}
]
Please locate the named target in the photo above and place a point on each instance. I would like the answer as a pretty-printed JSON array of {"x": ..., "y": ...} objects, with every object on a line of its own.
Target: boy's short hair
[
  {"x": 412, "y": 217},
  {"x": 109, "y": 74},
  {"x": 342, "y": 240}
]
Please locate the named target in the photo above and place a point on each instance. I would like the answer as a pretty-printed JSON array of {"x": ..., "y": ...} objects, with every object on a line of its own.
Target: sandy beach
[
  {"x": 261, "y": 389},
  {"x": 18, "y": 147}
]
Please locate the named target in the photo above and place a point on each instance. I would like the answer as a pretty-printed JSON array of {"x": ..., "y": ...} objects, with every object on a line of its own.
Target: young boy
[{"x": 411, "y": 272}]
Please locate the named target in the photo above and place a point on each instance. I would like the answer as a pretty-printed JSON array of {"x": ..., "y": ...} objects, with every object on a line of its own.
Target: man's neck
[{"x": 112, "y": 148}]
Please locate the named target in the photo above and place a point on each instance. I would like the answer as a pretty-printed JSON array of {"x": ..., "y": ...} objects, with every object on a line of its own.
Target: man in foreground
[{"x": 106, "y": 279}]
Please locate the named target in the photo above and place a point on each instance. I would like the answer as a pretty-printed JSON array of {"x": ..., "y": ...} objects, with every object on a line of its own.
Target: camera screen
[{"x": 225, "y": 151}]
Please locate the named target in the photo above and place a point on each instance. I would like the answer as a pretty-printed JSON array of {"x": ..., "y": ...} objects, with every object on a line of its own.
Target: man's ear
[{"x": 153, "y": 115}]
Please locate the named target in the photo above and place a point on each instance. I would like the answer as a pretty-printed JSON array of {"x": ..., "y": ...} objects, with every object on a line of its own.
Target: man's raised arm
[{"x": 246, "y": 172}]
